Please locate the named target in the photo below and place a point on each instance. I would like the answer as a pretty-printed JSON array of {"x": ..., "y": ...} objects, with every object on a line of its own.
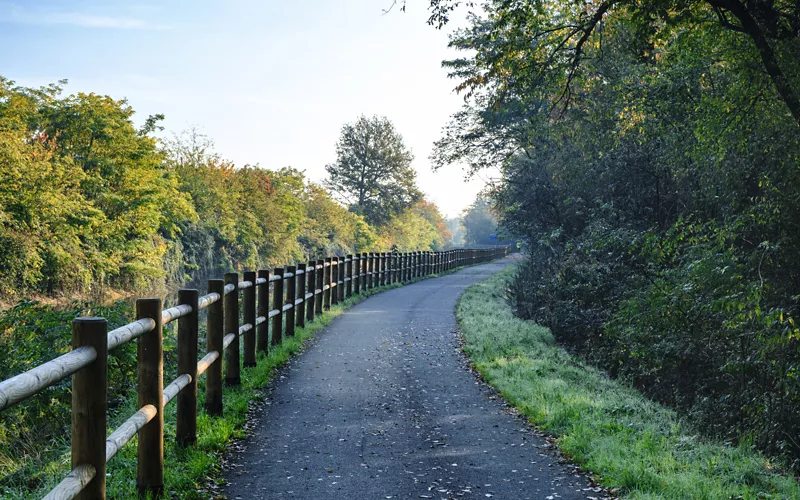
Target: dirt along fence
[{"x": 298, "y": 294}]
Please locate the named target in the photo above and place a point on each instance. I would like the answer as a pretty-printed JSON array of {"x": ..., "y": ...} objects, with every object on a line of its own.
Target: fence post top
[
  {"x": 249, "y": 273},
  {"x": 302, "y": 265},
  {"x": 278, "y": 270},
  {"x": 149, "y": 300},
  {"x": 291, "y": 268},
  {"x": 89, "y": 319}
]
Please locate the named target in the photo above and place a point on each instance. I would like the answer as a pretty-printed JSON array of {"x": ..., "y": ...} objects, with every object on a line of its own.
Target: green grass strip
[{"x": 633, "y": 444}]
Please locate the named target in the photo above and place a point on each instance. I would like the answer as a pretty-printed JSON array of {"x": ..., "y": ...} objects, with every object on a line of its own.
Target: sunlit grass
[{"x": 631, "y": 443}]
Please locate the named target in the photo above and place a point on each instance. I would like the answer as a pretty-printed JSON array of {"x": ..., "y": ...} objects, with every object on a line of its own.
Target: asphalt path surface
[{"x": 384, "y": 406}]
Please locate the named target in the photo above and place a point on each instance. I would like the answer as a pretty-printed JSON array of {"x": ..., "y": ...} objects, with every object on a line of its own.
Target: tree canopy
[
  {"x": 89, "y": 202},
  {"x": 649, "y": 156},
  {"x": 372, "y": 172}
]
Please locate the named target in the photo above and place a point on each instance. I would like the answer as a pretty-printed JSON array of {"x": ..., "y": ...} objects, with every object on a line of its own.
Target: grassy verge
[{"x": 639, "y": 447}]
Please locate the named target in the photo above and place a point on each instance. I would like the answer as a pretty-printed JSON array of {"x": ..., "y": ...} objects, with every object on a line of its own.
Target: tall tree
[
  {"x": 373, "y": 172},
  {"x": 479, "y": 221}
]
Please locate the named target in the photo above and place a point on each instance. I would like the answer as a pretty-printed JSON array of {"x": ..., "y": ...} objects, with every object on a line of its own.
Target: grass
[
  {"x": 638, "y": 447},
  {"x": 189, "y": 473}
]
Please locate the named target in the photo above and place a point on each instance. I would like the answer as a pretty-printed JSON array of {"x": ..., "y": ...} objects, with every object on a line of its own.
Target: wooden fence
[{"x": 299, "y": 293}]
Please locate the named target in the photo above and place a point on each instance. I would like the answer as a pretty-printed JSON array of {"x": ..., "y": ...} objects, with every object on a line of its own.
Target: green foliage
[
  {"x": 373, "y": 172},
  {"x": 88, "y": 203},
  {"x": 638, "y": 447},
  {"x": 651, "y": 164},
  {"x": 32, "y": 435},
  {"x": 479, "y": 222}
]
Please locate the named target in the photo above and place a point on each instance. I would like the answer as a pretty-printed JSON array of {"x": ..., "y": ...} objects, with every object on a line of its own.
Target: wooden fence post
[
  {"x": 232, "y": 376},
  {"x": 319, "y": 286},
  {"x": 340, "y": 288},
  {"x": 326, "y": 271},
  {"x": 335, "y": 280},
  {"x": 312, "y": 286},
  {"x": 372, "y": 274},
  {"x": 367, "y": 275},
  {"x": 384, "y": 268},
  {"x": 277, "y": 303},
  {"x": 300, "y": 314},
  {"x": 262, "y": 340},
  {"x": 89, "y": 405},
  {"x": 291, "y": 297},
  {"x": 186, "y": 426},
  {"x": 249, "y": 317},
  {"x": 215, "y": 325},
  {"x": 150, "y": 360},
  {"x": 349, "y": 267},
  {"x": 378, "y": 269},
  {"x": 356, "y": 275}
]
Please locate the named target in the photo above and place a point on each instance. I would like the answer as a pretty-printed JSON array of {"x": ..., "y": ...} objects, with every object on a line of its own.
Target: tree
[
  {"x": 550, "y": 40},
  {"x": 479, "y": 221},
  {"x": 373, "y": 172}
]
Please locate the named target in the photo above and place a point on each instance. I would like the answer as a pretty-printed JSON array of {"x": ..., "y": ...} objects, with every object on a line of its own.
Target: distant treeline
[{"x": 88, "y": 201}]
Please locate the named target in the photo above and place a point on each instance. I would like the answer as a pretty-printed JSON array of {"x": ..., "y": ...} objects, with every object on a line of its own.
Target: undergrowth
[{"x": 642, "y": 449}]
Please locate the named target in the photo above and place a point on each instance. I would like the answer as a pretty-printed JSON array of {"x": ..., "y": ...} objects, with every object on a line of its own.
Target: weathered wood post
[
  {"x": 349, "y": 271},
  {"x": 89, "y": 405},
  {"x": 356, "y": 275},
  {"x": 277, "y": 303},
  {"x": 312, "y": 286},
  {"x": 367, "y": 271},
  {"x": 335, "y": 280},
  {"x": 401, "y": 276},
  {"x": 300, "y": 313},
  {"x": 249, "y": 317},
  {"x": 150, "y": 360},
  {"x": 320, "y": 285},
  {"x": 373, "y": 258},
  {"x": 214, "y": 327},
  {"x": 262, "y": 340},
  {"x": 340, "y": 288},
  {"x": 326, "y": 295},
  {"x": 384, "y": 269},
  {"x": 186, "y": 426},
  {"x": 291, "y": 297},
  {"x": 232, "y": 362}
]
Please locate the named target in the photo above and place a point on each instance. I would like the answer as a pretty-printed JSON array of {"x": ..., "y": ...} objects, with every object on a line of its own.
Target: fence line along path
[{"x": 299, "y": 294}]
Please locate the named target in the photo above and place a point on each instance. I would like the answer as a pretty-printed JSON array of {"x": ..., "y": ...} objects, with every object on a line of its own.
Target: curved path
[{"x": 383, "y": 406}]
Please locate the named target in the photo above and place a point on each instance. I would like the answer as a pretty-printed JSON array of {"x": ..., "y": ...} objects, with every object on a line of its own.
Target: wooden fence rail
[{"x": 299, "y": 294}]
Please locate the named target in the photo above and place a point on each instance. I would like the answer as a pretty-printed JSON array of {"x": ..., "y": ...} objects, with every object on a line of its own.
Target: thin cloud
[{"x": 40, "y": 17}]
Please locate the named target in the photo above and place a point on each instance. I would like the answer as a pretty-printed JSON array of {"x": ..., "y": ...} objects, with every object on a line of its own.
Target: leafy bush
[{"x": 35, "y": 432}]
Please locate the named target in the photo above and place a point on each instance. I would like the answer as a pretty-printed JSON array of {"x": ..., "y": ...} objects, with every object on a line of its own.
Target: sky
[{"x": 270, "y": 82}]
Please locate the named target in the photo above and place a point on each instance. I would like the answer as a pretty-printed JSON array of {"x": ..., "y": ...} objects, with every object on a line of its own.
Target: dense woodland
[
  {"x": 650, "y": 158},
  {"x": 91, "y": 202}
]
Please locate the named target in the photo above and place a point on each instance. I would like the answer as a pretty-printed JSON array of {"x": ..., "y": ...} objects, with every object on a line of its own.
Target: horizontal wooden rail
[{"x": 294, "y": 300}]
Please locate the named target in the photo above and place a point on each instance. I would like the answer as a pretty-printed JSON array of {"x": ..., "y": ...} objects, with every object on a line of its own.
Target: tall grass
[{"x": 631, "y": 443}]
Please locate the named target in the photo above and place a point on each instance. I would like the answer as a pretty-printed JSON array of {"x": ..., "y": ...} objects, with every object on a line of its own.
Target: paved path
[{"x": 382, "y": 406}]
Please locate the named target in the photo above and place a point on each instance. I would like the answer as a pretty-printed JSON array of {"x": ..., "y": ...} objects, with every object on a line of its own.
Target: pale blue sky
[{"x": 270, "y": 82}]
